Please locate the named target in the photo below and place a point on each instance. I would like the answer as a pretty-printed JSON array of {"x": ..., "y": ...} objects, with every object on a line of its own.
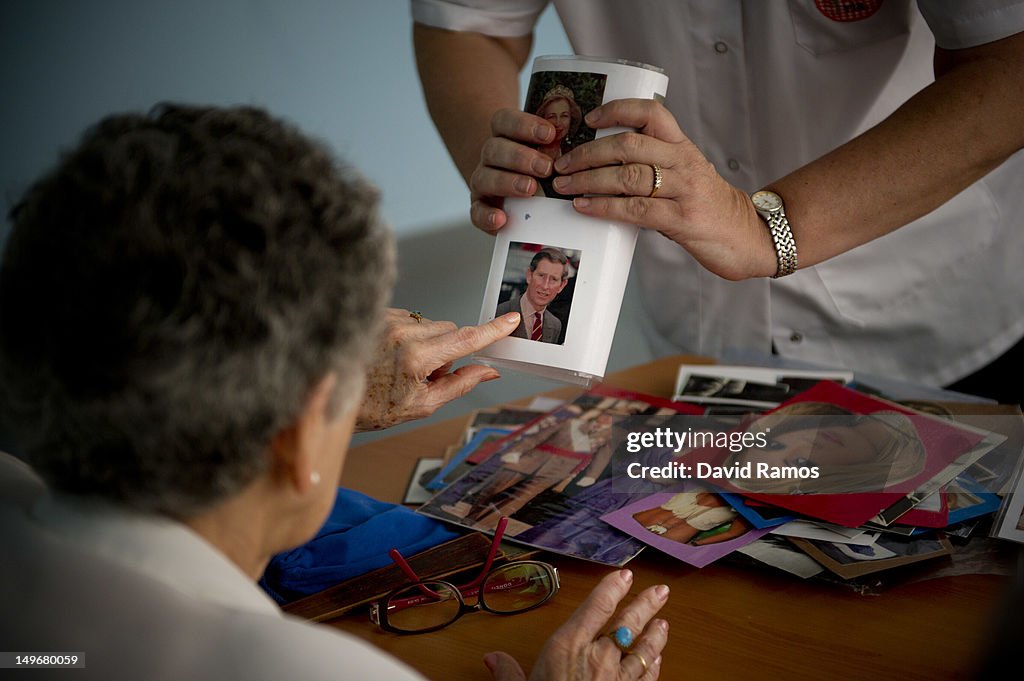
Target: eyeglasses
[{"x": 429, "y": 605}]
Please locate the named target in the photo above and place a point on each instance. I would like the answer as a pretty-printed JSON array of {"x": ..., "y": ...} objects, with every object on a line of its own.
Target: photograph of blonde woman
[
  {"x": 850, "y": 452},
  {"x": 562, "y": 99},
  {"x": 559, "y": 108}
]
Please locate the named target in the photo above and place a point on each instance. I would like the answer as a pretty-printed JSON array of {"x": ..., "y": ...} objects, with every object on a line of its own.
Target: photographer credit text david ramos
[{"x": 735, "y": 441}]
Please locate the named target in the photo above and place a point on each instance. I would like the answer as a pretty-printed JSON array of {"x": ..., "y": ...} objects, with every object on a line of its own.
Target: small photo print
[
  {"x": 416, "y": 492},
  {"x": 698, "y": 385},
  {"x": 758, "y": 388},
  {"x": 538, "y": 282},
  {"x": 455, "y": 467},
  {"x": 692, "y": 523},
  {"x": 563, "y": 98},
  {"x": 1009, "y": 520},
  {"x": 852, "y": 560}
]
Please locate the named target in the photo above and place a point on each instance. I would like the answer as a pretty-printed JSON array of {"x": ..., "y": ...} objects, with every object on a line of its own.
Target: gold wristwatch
[{"x": 769, "y": 206}]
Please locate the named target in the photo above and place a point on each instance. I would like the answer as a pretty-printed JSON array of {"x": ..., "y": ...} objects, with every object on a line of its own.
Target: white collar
[
  {"x": 154, "y": 546},
  {"x": 528, "y": 309}
]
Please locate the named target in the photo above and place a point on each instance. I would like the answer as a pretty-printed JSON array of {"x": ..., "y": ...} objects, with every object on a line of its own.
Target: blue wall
[{"x": 343, "y": 70}]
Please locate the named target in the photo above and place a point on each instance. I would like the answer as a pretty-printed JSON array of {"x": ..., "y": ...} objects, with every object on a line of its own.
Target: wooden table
[{"x": 726, "y": 622}]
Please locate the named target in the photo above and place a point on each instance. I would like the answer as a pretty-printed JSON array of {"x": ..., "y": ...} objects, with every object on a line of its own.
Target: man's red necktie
[{"x": 538, "y": 325}]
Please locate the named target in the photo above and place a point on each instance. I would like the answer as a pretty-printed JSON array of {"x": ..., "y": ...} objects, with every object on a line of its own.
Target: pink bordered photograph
[
  {"x": 856, "y": 455},
  {"x": 692, "y": 523}
]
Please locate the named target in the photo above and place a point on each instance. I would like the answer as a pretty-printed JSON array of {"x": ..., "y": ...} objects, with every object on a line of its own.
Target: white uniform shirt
[
  {"x": 763, "y": 87},
  {"x": 147, "y": 598}
]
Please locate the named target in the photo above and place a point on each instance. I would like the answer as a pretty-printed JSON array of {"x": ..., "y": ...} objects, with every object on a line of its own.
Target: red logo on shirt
[{"x": 847, "y": 10}]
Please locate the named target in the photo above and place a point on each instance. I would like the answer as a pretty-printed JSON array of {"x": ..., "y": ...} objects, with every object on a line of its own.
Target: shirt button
[
  {"x": 721, "y": 48},
  {"x": 796, "y": 337},
  {"x": 733, "y": 164}
]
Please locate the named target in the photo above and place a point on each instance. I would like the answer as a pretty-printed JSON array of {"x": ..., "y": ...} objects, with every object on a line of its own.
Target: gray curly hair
[{"x": 172, "y": 292}]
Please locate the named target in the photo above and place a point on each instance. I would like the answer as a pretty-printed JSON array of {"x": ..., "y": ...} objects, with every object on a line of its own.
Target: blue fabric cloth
[{"x": 356, "y": 538}]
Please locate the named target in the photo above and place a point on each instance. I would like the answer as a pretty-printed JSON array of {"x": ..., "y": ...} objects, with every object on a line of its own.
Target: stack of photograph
[{"x": 810, "y": 474}]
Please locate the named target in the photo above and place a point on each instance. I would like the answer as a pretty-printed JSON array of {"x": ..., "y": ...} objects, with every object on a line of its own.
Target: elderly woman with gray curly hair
[{"x": 191, "y": 310}]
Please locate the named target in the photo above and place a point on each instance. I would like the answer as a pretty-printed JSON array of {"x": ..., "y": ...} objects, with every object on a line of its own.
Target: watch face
[{"x": 766, "y": 201}]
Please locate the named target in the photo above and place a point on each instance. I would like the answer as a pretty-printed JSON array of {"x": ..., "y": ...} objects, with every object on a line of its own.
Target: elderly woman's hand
[
  {"x": 508, "y": 166},
  {"x": 411, "y": 376},
  {"x": 578, "y": 650},
  {"x": 694, "y": 206}
]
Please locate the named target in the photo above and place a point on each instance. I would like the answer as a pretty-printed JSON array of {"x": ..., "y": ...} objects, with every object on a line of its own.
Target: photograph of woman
[
  {"x": 559, "y": 108},
  {"x": 852, "y": 452},
  {"x": 563, "y": 99}
]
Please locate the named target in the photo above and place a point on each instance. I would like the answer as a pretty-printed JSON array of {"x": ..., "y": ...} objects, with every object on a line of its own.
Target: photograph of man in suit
[{"x": 545, "y": 278}]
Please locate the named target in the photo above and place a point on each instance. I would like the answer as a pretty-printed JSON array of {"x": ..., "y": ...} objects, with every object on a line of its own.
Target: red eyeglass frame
[{"x": 466, "y": 591}]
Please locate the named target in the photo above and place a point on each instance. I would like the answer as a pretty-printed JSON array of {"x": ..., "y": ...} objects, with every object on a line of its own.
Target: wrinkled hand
[
  {"x": 508, "y": 167},
  {"x": 411, "y": 376},
  {"x": 577, "y": 650},
  {"x": 695, "y": 207}
]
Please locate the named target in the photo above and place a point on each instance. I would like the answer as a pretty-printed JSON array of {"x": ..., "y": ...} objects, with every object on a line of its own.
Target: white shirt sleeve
[
  {"x": 498, "y": 18},
  {"x": 958, "y": 24}
]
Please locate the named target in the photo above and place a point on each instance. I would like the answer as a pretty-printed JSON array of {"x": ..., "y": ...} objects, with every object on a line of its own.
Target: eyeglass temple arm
[
  {"x": 499, "y": 532},
  {"x": 406, "y": 569}
]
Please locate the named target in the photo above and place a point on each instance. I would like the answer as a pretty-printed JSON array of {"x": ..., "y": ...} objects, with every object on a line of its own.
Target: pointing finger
[{"x": 469, "y": 339}]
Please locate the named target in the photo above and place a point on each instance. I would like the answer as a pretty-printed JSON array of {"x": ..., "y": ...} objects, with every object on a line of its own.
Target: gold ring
[
  {"x": 639, "y": 657},
  {"x": 657, "y": 180}
]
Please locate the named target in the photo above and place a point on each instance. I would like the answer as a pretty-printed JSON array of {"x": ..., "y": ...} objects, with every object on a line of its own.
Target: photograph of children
[
  {"x": 691, "y": 523},
  {"x": 563, "y": 99},
  {"x": 538, "y": 283}
]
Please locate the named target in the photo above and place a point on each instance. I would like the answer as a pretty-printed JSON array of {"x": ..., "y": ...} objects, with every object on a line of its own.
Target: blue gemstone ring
[{"x": 622, "y": 637}]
